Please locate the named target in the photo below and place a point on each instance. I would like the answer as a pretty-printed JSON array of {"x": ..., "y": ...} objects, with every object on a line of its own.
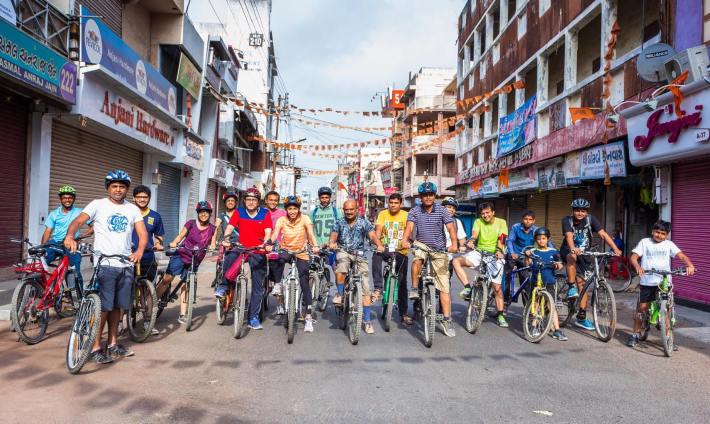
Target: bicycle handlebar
[
  {"x": 679, "y": 271},
  {"x": 597, "y": 254}
]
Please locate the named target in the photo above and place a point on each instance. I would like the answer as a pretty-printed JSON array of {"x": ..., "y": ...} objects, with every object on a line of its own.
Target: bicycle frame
[
  {"x": 291, "y": 277},
  {"x": 51, "y": 282},
  {"x": 590, "y": 282},
  {"x": 390, "y": 273}
]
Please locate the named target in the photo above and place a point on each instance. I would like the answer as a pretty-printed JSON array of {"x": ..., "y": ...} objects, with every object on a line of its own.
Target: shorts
[
  {"x": 343, "y": 261},
  {"x": 647, "y": 293},
  {"x": 440, "y": 263},
  {"x": 177, "y": 267},
  {"x": 494, "y": 270},
  {"x": 115, "y": 287},
  {"x": 584, "y": 265}
]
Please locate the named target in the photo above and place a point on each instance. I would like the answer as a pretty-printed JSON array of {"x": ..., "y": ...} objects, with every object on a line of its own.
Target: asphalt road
[{"x": 206, "y": 376}]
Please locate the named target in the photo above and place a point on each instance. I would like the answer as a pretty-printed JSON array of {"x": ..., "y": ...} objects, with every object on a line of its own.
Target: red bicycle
[
  {"x": 237, "y": 297},
  {"x": 41, "y": 290}
]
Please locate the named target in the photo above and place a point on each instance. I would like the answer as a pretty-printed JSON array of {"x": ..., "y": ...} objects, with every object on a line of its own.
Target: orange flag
[
  {"x": 579, "y": 113},
  {"x": 677, "y": 95},
  {"x": 476, "y": 186},
  {"x": 504, "y": 178}
]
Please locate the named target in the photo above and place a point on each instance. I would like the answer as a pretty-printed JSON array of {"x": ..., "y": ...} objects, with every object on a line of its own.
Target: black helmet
[
  {"x": 450, "y": 201},
  {"x": 542, "y": 231},
  {"x": 581, "y": 204},
  {"x": 325, "y": 190}
]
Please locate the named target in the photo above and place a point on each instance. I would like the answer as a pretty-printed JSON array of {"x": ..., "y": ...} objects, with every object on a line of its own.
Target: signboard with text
[
  {"x": 189, "y": 77},
  {"x": 395, "y": 101},
  {"x": 592, "y": 162},
  {"x": 517, "y": 129}
]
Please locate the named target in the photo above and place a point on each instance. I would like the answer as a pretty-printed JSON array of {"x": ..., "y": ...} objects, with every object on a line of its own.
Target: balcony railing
[{"x": 438, "y": 103}]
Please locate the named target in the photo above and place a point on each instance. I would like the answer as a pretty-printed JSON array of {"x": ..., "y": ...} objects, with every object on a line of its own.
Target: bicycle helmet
[
  {"x": 67, "y": 189},
  {"x": 450, "y": 201},
  {"x": 292, "y": 201},
  {"x": 203, "y": 205},
  {"x": 581, "y": 204},
  {"x": 427, "y": 188},
  {"x": 325, "y": 190},
  {"x": 542, "y": 231},
  {"x": 253, "y": 192},
  {"x": 117, "y": 176},
  {"x": 229, "y": 194}
]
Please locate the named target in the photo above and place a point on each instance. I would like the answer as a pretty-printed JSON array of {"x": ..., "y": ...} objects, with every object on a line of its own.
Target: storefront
[{"x": 678, "y": 145}]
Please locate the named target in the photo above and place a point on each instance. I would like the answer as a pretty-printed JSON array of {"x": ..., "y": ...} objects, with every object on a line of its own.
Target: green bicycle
[
  {"x": 390, "y": 290},
  {"x": 661, "y": 312}
]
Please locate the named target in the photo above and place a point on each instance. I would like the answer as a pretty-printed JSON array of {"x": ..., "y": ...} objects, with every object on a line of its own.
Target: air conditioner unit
[{"x": 694, "y": 60}]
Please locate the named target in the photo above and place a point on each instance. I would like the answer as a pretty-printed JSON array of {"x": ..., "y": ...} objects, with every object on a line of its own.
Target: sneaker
[
  {"x": 447, "y": 326},
  {"x": 502, "y": 321},
  {"x": 280, "y": 310},
  {"x": 369, "y": 329},
  {"x": 632, "y": 341},
  {"x": 536, "y": 332},
  {"x": 413, "y": 294},
  {"x": 572, "y": 293},
  {"x": 100, "y": 357},
  {"x": 277, "y": 290},
  {"x": 585, "y": 323},
  {"x": 308, "y": 328},
  {"x": 220, "y": 292},
  {"x": 254, "y": 324},
  {"x": 118, "y": 351},
  {"x": 338, "y": 299},
  {"x": 153, "y": 331},
  {"x": 675, "y": 347},
  {"x": 182, "y": 319},
  {"x": 559, "y": 335},
  {"x": 465, "y": 294}
]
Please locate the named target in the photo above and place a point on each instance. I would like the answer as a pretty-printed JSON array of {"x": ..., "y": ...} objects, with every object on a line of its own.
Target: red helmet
[
  {"x": 229, "y": 194},
  {"x": 203, "y": 205},
  {"x": 253, "y": 192}
]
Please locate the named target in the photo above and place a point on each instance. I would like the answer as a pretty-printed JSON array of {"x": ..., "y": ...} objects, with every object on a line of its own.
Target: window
[
  {"x": 522, "y": 25},
  {"x": 544, "y": 5}
]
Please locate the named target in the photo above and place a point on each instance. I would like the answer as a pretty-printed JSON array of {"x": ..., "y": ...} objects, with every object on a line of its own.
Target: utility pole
[{"x": 275, "y": 152}]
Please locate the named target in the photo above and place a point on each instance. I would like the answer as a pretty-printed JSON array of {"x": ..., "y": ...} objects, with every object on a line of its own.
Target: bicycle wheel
[
  {"x": 537, "y": 318},
  {"x": 84, "y": 331},
  {"x": 355, "y": 314},
  {"x": 240, "y": 306},
  {"x": 221, "y": 306},
  {"x": 142, "y": 312},
  {"x": 604, "y": 307},
  {"x": 324, "y": 294},
  {"x": 664, "y": 319},
  {"x": 476, "y": 306},
  {"x": 561, "y": 302},
  {"x": 429, "y": 313},
  {"x": 64, "y": 302},
  {"x": 165, "y": 298},
  {"x": 292, "y": 303},
  {"x": 389, "y": 302},
  {"x": 620, "y": 280},
  {"x": 28, "y": 319},
  {"x": 191, "y": 287},
  {"x": 314, "y": 284}
]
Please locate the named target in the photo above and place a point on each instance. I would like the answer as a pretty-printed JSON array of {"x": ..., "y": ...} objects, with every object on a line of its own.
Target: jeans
[
  {"x": 302, "y": 266},
  {"x": 400, "y": 266},
  {"x": 74, "y": 260}
]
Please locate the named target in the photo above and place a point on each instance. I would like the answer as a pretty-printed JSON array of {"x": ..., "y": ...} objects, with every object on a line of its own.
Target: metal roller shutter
[
  {"x": 169, "y": 199},
  {"x": 536, "y": 203},
  {"x": 13, "y": 121},
  {"x": 81, "y": 160},
  {"x": 516, "y": 207},
  {"x": 194, "y": 191},
  {"x": 558, "y": 206},
  {"x": 110, "y": 11},
  {"x": 690, "y": 196},
  {"x": 211, "y": 197}
]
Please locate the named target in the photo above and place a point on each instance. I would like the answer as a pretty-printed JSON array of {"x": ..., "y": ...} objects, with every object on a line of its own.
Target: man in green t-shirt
[
  {"x": 489, "y": 234},
  {"x": 324, "y": 217}
]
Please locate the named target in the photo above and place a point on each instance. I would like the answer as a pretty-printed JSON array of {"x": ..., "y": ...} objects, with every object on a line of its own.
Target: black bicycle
[
  {"x": 481, "y": 293},
  {"x": 350, "y": 310},
  {"x": 142, "y": 313},
  {"x": 425, "y": 307},
  {"x": 319, "y": 280}
]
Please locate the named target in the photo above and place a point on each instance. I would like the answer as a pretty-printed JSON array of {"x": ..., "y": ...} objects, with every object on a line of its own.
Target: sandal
[
  {"x": 375, "y": 296},
  {"x": 406, "y": 319},
  {"x": 369, "y": 329},
  {"x": 338, "y": 299}
]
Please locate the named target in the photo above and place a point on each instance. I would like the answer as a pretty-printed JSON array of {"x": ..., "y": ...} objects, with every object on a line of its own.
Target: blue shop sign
[
  {"x": 24, "y": 59},
  {"x": 101, "y": 46},
  {"x": 593, "y": 162},
  {"x": 517, "y": 129}
]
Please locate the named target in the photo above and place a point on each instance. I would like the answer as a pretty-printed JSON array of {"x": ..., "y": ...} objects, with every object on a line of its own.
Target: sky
[{"x": 340, "y": 53}]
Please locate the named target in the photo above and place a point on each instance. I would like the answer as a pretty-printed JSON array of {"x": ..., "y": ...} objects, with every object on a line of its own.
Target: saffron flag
[
  {"x": 579, "y": 113},
  {"x": 674, "y": 87}
]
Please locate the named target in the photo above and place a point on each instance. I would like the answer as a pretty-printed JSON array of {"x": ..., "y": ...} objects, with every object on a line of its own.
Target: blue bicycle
[{"x": 524, "y": 274}]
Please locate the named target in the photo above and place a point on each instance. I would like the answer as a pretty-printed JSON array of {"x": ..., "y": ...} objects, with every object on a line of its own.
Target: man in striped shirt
[{"x": 430, "y": 220}]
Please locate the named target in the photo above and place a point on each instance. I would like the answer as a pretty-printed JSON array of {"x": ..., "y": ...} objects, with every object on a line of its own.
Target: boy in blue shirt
[
  {"x": 549, "y": 260},
  {"x": 154, "y": 226}
]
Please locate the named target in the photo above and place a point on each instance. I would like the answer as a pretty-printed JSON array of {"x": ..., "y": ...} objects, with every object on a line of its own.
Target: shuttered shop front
[
  {"x": 13, "y": 121},
  {"x": 81, "y": 159},
  {"x": 690, "y": 200},
  {"x": 558, "y": 207},
  {"x": 169, "y": 199}
]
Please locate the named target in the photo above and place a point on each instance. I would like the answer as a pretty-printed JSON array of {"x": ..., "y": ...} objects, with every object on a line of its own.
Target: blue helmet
[
  {"x": 427, "y": 188},
  {"x": 450, "y": 201},
  {"x": 581, "y": 204},
  {"x": 117, "y": 176}
]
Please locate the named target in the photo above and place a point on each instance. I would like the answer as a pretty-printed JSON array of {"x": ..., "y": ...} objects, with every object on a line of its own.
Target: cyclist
[
  {"x": 295, "y": 231},
  {"x": 551, "y": 260},
  {"x": 389, "y": 229},
  {"x": 271, "y": 200},
  {"x": 432, "y": 221},
  {"x": 195, "y": 234},
  {"x": 114, "y": 220},
  {"x": 655, "y": 253},
  {"x": 324, "y": 216},
  {"x": 489, "y": 232},
  {"x": 578, "y": 229},
  {"x": 56, "y": 226},
  {"x": 154, "y": 225},
  {"x": 254, "y": 225},
  {"x": 351, "y": 232},
  {"x": 230, "y": 199},
  {"x": 451, "y": 206},
  {"x": 520, "y": 237}
]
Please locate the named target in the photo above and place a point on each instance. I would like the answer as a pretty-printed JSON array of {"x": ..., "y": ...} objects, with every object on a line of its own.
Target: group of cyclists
[{"x": 428, "y": 231}]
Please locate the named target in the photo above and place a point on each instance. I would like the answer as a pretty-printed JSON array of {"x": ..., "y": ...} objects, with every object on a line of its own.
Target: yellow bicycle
[{"x": 539, "y": 313}]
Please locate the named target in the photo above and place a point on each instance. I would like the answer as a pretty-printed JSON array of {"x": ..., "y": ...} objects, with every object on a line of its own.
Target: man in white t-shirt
[
  {"x": 114, "y": 221},
  {"x": 655, "y": 253}
]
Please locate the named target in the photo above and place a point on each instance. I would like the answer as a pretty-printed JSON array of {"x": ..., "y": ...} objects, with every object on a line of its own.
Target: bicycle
[
  {"x": 238, "y": 295},
  {"x": 87, "y": 321},
  {"x": 142, "y": 313},
  {"x": 219, "y": 268},
  {"x": 350, "y": 311},
  {"x": 538, "y": 313},
  {"x": 39, "y": 291},
  {"x": 319, "y": 280},
  {"x": 662, "y": 310},
  {"x": 426, "y": 306},
  {"x": 603, "y": 302},
  {"x": 390, "y": 291},
  {"x": 187, "y": 278},
  {"x": 292, "y": 295},
  {"x": 481, "y": 293}
]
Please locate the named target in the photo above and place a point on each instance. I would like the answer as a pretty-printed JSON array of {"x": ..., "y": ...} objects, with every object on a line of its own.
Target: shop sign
[
  {"x": 509, "y": 161},
  {"x": 592, "y": 161},
  {"x": 193, "y": 153},
  {"x": 489, "y": 187},
  {"x": 517, "y": 129},
  {"x": 24, "y": 59},
  {"x": 221, "y": 172},
  {"x": 551, "y": 177},
  {"x": 189, "y": 77},
  {"x": 101, "y": 46},
  {"x": 7, "y": 11},
  {"x": 522, "y": 179},
  {"x": 396, "y": 100}
]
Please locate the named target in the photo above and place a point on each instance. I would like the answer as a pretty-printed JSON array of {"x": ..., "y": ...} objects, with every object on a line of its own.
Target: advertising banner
[
  {"x": 592, "y": 163},
  {"x": 518, "y": 129},
  {"x": 189, "y": 77}
]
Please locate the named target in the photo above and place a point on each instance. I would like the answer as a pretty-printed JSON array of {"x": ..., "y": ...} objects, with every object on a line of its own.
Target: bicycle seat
[{"x": 37, "y": 251}]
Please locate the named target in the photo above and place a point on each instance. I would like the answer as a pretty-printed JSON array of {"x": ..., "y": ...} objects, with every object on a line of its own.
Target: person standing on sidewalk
[{"x": 154, "y": 226}]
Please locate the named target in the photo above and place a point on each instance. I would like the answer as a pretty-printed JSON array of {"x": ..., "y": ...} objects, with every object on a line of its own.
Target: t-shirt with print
[
  {"x": 252, "y": 230},
  {"x": 430, "y": 226},
  {"x": 392, "y": 229},
  {"x": 293, "y": 234},
  {"x": 196, "y": 237},
  {"x": 655, "y": 256},
  {"x": 154, "y": 226},
  {"x": 352, "y": 237},
  {"x": 548, "y": 257},
  {"x": 323, "y": 221},
  {"x": 582, "y": 231},
  {"x": 488, "y": 234},
  {"x": 113, "y": 228},
  {"x": 59, "y": 222}
]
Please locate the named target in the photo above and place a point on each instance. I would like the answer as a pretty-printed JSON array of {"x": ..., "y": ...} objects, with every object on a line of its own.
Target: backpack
[{"x": 587, "y": 229}]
